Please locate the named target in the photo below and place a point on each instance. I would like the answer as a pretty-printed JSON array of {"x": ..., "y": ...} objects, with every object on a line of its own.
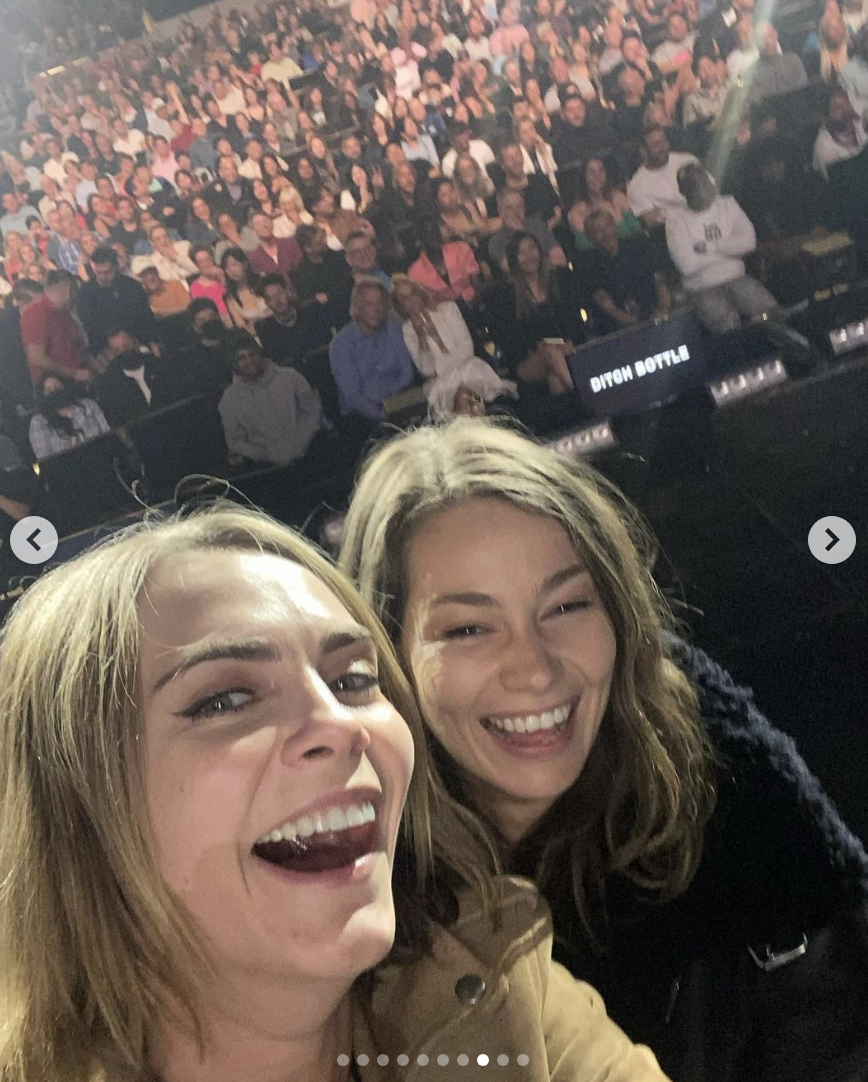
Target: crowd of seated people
[{"x": 541, "y": 174}]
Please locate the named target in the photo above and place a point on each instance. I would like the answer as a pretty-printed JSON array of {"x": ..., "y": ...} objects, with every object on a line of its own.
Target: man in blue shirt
[
  {"x": 17, "y": 213},
  {"x": 369, "y": 358},
  {"x": 202, "y": 152}
]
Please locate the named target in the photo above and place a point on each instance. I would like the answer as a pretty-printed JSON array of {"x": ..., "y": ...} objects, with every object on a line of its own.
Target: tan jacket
[{"x": 496, "y": 993}]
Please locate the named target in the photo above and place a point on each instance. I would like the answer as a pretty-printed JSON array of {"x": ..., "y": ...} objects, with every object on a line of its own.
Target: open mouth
[
  {"x": 548, "y": 730},
  {"x": 328, "y": 840}
]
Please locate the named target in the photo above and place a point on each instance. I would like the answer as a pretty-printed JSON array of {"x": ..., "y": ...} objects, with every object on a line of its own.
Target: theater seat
[
  {"x": 182, "y": 439},
  {"x": 85, "y": 486}
]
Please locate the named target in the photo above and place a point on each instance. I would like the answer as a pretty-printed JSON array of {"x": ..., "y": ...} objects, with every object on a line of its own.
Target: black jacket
[
  {"x": 121, "y": 305},
  {"x": 779, "y": 871},
  {"x": 121, "y": 398},
  {"x": 16, "y": 387}
]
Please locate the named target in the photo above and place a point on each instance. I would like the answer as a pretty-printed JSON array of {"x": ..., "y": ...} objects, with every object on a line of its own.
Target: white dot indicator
[
  {"x": 482, "y": 1059},
  {"x": 383, "y": 1060},
  {"x": 343, "y": 1061},
  {"x": 463, "y": 1060},
  {"x": 523, "y": 1060},
  {"x": 443, "y": 1060},
  {"x": 503, "y": 1060},
  {"x": 362, "y": 1060},
  {"x": 422, "y": 1060},
  {"x": 403, "y": 1060}
]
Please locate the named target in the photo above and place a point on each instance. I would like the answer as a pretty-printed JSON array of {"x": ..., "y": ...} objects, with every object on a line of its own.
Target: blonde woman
[
  {"x": 292, "y": 213},
  {"x": 441, "y": 347},
  {"x": 476, "y": 192},
  {"x": 204, "y": 763},
  {"x": 696, "y": 872}
]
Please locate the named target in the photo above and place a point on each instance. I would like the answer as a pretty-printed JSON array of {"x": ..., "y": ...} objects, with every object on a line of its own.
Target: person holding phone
[
  {"x": 697, "y": 873},
  {"x": 213, "y": 832}
]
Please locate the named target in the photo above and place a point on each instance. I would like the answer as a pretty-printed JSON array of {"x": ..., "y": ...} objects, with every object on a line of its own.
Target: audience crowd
[{"x": 310, "y": 213}]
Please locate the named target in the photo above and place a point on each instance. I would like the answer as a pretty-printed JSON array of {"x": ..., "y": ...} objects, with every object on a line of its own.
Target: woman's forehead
[{"x": 188, "y": 592}]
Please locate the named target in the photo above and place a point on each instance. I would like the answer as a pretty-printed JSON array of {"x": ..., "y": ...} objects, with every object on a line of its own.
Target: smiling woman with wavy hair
[
  {"x": 208, "y": 871},
  {"x": 697, "y": 874}
]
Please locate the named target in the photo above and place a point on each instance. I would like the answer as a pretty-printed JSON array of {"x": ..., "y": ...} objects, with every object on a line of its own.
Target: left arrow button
[{"x": 33, "y": 540}]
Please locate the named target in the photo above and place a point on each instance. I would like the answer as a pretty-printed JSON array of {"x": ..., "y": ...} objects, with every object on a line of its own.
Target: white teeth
[
  {"x": 532, "y": 723},
  {"x": 327, "y": 821}
]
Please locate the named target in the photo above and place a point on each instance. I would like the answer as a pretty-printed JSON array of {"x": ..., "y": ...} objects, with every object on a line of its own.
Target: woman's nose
[
  {"x": 323, "y": 727},
  {"x": 529, "y": 664}
]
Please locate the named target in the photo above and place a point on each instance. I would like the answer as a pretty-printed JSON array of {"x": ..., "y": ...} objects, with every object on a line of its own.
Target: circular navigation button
[
  {"x": 33, "y": 540},
  {"x": 832, "y": 540}
]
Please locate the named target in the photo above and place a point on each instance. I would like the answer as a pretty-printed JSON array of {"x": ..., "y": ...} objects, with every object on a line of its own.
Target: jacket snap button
[{"x": 470, "y": 989}]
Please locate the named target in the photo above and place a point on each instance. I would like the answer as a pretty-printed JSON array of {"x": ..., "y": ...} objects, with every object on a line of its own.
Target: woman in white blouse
[
  {"x": 442, "y": 349},
  {"x": 535, "y": 151}
]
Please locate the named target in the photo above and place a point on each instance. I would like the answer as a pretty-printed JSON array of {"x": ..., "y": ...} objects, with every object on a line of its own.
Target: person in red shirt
[
  {"x": 274, "y": 255},
  {"x": 53, "y": 340},
  {"x": 211, "y": 282},
  {"x": 447, "y": 267}
]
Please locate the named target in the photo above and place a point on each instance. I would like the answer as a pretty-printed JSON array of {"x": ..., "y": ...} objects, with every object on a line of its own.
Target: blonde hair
[
  {"x": 93, "y": 943},
  {"x": 640, "y": 805},
  {"x": 427, "y": 296},
  {"x": 482, "y": 186}
]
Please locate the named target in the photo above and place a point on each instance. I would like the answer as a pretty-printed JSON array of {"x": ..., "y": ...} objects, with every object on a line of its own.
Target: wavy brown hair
[
  {"x": 640, "y": 806},
  {"x": 92, "y": 941}
]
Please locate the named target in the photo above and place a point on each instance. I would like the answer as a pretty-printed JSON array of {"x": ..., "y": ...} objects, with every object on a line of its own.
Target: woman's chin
[{"x": 366, "y": 940}]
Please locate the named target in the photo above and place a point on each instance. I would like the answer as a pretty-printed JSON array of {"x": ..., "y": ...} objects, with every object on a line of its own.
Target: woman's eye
[
  {"x": 465, "y": 631},
  {"x": 223, "y": 702},
  {"x": 570, "y": 606},
  {"x": 355, "y": 683}
]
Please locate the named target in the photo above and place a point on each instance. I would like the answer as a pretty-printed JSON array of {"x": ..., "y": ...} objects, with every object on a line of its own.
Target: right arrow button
[{"x": 832, "y": 540}]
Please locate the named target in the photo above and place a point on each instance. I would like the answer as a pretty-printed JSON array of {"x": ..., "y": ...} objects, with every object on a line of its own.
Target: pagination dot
[
  {"x": 523, "y": 1060},
  {"x": 362, "y": 1060},
  {"x": 383, "y": 1060},
  {"x": 403, "y": 1060},
  {"x": 343, "y": 1061},
  {"x": 463, "y": 1060},
  {"x": 482, "y": 1059},
  {"x": 503, "y": 1060},
  {"x": 443, "y": 1060},
  {"x": 422, "y": 1060}
]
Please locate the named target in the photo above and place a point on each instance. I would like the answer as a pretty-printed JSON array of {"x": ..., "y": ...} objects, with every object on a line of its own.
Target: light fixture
[
  {"x": 584, "y": 441},
  {"x": 747, "y": 382},
  {"x": 852, "y": 336}
]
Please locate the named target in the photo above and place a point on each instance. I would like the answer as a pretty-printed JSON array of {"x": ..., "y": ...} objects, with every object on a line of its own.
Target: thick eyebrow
[
  {"x": 479, "y": 600},
  {"x": 254, "y": 649}
]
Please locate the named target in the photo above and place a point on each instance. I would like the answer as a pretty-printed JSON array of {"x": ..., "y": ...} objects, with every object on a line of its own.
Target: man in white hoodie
[{"x": 707, "y": 240}]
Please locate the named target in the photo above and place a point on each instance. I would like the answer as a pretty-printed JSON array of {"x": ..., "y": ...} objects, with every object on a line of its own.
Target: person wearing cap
[
  {"x": 157, "y": 116},
  {"x": 463, "y": 142},
  {"x": 708, "y": 239},
  {"x": 269, "y": 414}
]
